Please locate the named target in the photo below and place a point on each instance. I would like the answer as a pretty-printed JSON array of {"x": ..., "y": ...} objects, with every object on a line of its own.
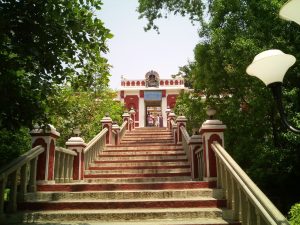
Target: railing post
[
  {"x": 211, "y": 130},
  {"x": 47, "y": 138},
  {"x": 77, "y": 145},
  {"x": 126, "y": 117},
  {"x": 171, "y": 116},
  {"x": 181, "y": 122},
  {"x": 132, "y": 116},
  {"x": 116, "y": 130},
  {"x": 107, "y": 123},
  {"x": 195, "y": 144}
]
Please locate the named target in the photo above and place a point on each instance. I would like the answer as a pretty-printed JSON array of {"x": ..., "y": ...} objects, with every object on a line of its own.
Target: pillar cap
[
  {"x": 106, "y": 119},
  {"x": 171, "y": 114},
  {"x": 195, "y": 139},
  {"x": 181, "y": 119},
  {"x": 125, "y": 114},
  {"x": 75, "y": 141},
  {"x": 44, "y": 130},
  {"x": 212, "y": 125},
  {"x": 115, "y": 127}
]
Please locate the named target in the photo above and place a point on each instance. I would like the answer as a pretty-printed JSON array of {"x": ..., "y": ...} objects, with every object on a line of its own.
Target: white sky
[{"x": 134, "y": 52}]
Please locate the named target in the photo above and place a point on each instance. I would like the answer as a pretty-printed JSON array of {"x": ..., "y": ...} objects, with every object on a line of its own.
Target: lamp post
[{"x": 270, "y": 66}]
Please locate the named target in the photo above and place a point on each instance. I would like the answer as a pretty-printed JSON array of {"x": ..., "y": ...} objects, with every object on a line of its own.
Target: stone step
[
  {"x": 139, "y": 171},
  {"x": 138, "y": 138},
  {"x": 142, "y": 134},
  {"x": 141, "y": 167},
  {"x": 146, "y": 144},
  {"x": 196, "y": 221},
  {"x": 142, "y": 152},
  {"x": 163, "y": 185},
  {"x": 142, "y": 163},
  {"x": 149, "y": 141},
  {"x": 98, "y": 174},
  {"x": 123, "y": 204},
  {"x": 125, "y": 194},
  {"x": 139, "y": 179},
  {"x": 140, "y": 157},
  {"x": 119, "y": 215},
  {"x": 144, "y": 148}
]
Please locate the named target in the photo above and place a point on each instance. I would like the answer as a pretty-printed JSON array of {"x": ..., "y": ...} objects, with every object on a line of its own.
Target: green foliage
[
  {"x": 42, "y": 43},
  {"x": 232, "y": 32},
  {"x": 294, "y": 214},
  {"x": 13, "y": 144},
  {"x": 82, "y": 109}
]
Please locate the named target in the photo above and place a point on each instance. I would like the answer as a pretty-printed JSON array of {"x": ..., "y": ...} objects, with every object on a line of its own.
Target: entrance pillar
[
  {"x": 132, "y": 116},
  {"x": 126, "y": 117}
]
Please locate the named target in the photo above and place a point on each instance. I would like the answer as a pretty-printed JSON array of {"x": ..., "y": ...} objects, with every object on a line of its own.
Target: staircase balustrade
[
  {"x": 185, "y": 142},
  {"x": 249, "y": 204},
  {"x": 123, "y": 129},
  {"x": 63, "y": 170},
  {"x": 94, "y": 147},
  {"x": 19, "y": 172}
]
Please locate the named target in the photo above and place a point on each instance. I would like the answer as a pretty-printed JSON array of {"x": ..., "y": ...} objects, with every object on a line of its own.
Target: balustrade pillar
[
  {"x": 180, "y": 122},
  {"x": 116, "y": 130},
  {"x": 211, "y": 130},
  {"x": 132, "y": 116},
  {"x": 126, "y": 117},
  {"x": 107, "y": 123},
  {"x": 77, "y": 145},
  {"x": 196, "y": 156},
  {"x": 171, "y": 117},
  {"x": 46, "y": 137}
]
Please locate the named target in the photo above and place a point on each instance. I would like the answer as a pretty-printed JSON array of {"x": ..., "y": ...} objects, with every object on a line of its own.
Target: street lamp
[
  {"x": 270, "y": 66},
  {"x": 290, "y": 11}
]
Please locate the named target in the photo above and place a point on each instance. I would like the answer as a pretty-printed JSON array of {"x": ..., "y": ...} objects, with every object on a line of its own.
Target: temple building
[{"x": 150, "y": 96}]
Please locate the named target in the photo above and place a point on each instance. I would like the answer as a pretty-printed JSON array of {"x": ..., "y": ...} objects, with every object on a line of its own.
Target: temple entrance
[{"x": 153, "y": 114}]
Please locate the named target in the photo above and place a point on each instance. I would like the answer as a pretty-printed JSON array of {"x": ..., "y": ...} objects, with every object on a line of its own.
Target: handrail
[
  {"x": 94, "y": 147},
  {"x": 20, "y": 161},
  {"x": 95, "y": 139},
  {"x": 263, "y": 206},
  {"x": 123, "y": 129},
  {"x": 64, "y": 150},
  {"x": 185, "y": 134},
  {"x": 185, "y": 142}
]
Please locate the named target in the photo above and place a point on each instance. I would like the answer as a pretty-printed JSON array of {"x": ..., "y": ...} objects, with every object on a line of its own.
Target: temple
[{"x": 150, "y": 96}]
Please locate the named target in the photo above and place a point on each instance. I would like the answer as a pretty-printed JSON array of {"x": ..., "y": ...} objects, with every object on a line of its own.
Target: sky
[{"x": 133, "y": 52}]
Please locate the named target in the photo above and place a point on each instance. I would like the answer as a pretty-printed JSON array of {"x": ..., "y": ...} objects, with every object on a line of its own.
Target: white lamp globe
[
  {"x": 291, "y": 11},
  {"x": 270, "y": 66}
]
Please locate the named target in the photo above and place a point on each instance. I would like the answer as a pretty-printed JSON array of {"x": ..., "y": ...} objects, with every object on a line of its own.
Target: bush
[{"x": 294, "y": 214}]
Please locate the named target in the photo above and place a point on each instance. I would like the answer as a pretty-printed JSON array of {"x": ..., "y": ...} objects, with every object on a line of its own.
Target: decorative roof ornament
[{"x": 152, "y": 79}]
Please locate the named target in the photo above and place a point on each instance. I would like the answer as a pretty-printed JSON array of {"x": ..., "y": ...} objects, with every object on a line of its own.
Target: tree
[
  {"x": 82, "y": 109},
  {"x": 232, "y": 32},
  {"x": 42, "y": 43}
]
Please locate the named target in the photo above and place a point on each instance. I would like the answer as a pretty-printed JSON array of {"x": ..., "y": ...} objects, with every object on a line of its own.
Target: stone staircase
[{"x": 144, "y": 180}]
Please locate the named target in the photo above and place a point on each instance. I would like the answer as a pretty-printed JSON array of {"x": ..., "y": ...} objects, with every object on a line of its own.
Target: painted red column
[
  {"x": 45, "y": 136},
  {"x": 126, "y": 117},
  {"x": 77, "y": 145},
  {"x": 107, "y": 123},
  {"x": 180, "y": 122},
  {"x": 195, "y": 144},
  {"x": 211, "y": 130}
]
